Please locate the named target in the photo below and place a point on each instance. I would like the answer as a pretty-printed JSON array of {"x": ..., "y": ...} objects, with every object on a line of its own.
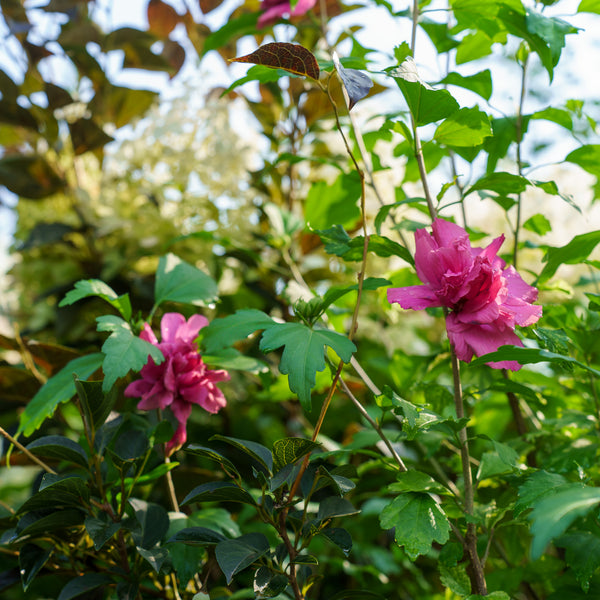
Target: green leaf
[
  {"x": 288, "y": 450},
  {"x": 32, "y": 524},
  {"x": 153, "y": 523},
  {"x": 425, "y": 104},
  {"x": 417, "y": 481},
  {"x": 197, "y": 536},
  {"x": 260, "y": 73},
  {"x": 553, "y": 514},
  {"x": 501, "y": 183},
  {"x": 177, "y": 281},
  {"x": 60, "y": 448},
  {"x": 31, "y": 559},
  {"x": 84, "y": 584},
  {"x": 123, "y": 351},
  {"x": 219, "y": 491},
  {"x": 256, "y": 451},
  {"x": 221, "y": 333},
  {"x": 480, "y": 83},
  {"x": 268, "y": 583},
  {"x": 419, "y": 521},
  {"x": 587, "y": 157},
  {"x": 69, "y": 492},
  {"x": 304, "y": 353},
  {"x": 155, "y": 556},
  {"x": 525, "y": 356},
  {"x": 591, "y": 6},
  {"x": 491, "y": 596},
  {"x": 464, "y": 128},
  {"x": 59, "y": 388},
  {"x": 232, "y": 359},
  {"x": 582, "y": 554},
  {"x": 575, "y": 252},
  {"x": 225, "y": 463},
  {"x": 101, "y": 529},
  {"x": 330, "y": 204},
  {"x": 95, "y": 403},
  {"x": 95, "y": 287},
  {"x": 340, "y": 537},
  {"x": 234, "y": 556},
  {"x": 455, "y": 578},
  {"x": 537, "y": 486},
  {"x": 334, "y": 506},
  {"x": 538, "y": 224},
  {"x": 233, "y": 28}
]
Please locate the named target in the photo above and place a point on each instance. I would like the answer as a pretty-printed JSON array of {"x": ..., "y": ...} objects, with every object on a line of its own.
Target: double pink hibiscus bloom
[
  {"x": 182, "y": 379},
  {"x": 485, "y": 298}
]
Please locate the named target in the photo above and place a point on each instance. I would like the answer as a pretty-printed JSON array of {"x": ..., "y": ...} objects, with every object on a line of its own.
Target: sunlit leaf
[
  {"x": 575, "y": 252},
  {"x": 95, "y": 287},
  {"x": 465, "y": 127},
  {"x": 304, "y": 353}
]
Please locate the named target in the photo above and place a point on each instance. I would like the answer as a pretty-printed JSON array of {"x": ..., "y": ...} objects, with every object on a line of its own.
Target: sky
[{"x": 572, "y": 78}]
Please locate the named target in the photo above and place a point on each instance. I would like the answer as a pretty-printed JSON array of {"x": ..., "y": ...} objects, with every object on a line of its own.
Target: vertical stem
[
  {"x": 519, "y": 139},
  {"x": 476, "y": 574}
]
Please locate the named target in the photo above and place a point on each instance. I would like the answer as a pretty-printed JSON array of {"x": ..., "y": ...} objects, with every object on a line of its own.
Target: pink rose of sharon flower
[
  {"x": 182, "y": 379},
  {"x": 485, "y": 297},
  {"x": 275, "y": 9}
]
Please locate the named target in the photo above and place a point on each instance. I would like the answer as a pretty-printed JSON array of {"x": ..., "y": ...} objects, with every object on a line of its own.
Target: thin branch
[
  {"x": 31, "y": 456},
  {"x": 375, "y": 426}
]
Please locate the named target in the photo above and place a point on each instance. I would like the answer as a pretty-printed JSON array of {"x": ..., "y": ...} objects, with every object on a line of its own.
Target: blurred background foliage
[{"x": 110, "y": 177}]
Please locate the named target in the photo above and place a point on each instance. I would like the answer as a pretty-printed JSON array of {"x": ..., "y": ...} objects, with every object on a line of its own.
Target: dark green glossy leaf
[
  {"x": 177, "y": 281},
  {"x": 123, "y": 351},
  {"x": 304, "y": 353},
  {"x": 59, "y": 447},
  {"x": 288, "y": 450},
  {"x": 94, "y": 402},
  {"x": 268, "y": 583},
  {"x": 333, "y": 506},
  {"x": 95, "y": 287},
  {"x": 219, "y": 491},
  {"x": 153, "y": 520},
  {"x": 197, "y": 536},
  {"x": 418, "y": 520},
  {"x": 225, "y": 463},
  {"x": 84, "y": 584},
  {"x": 256, "y": 451},
  {"x": 234, "y": 556},
  {"x": 31, "y": 559},
  {"x": 340, "y": 537},
  {"x": 155, "y": 556},
  {"x": 101, "y": 529},
  {"x": 70, "y": 492},
  {"x": 34, "y": 524}
]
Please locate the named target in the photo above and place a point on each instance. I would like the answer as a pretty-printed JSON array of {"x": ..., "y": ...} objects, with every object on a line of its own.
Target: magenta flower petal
[
  {"x": 276, "y": 9},
  {"x": 485, "y": 298},
  {"x": 182, "y": 379},
  {"x": 416, "y": 297}
]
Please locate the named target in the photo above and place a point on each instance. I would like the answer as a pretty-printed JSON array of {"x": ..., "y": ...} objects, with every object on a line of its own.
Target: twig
[
  {"x": 31, "y": 456},
  {"x": 476, "y": 574},
  {"x": 375, "y": 426}
]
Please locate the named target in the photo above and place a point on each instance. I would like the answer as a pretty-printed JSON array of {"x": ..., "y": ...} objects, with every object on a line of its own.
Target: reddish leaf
[
  {"x": 207, "y": 5},
  {"x": 280, "y": 55},
  {"x": 174, "y": 54},
  {"x": 162, "y": 18}
]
